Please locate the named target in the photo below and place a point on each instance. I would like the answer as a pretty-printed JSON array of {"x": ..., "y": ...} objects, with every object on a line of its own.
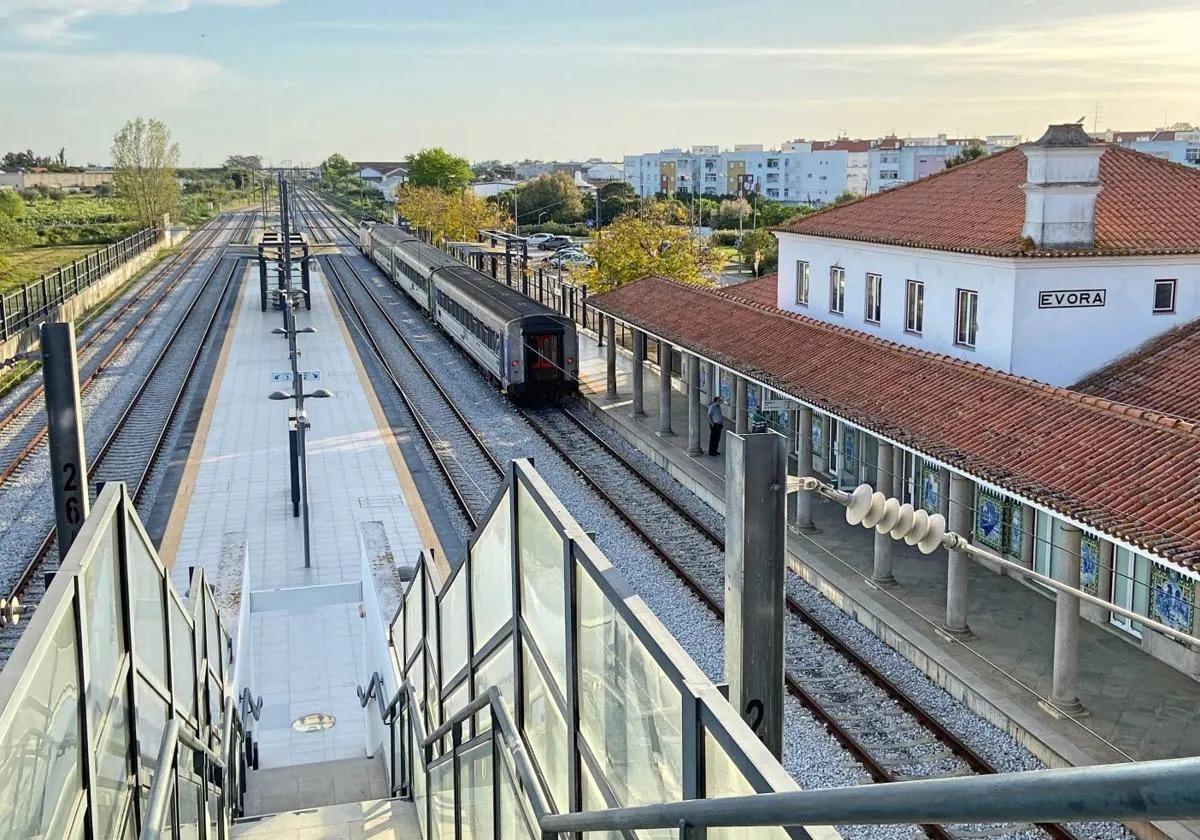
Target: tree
[
  {"x": 447, "y": 216},
  {"x": 336, "y": 168},
  {"x": 243, "y": 162},
  {"x": 11, "y": 205},
  {"x": 438, "y": 168},
  {"x": 617, "y": 199},
  {"x": 650, "y": 241},
  {"x": 972, "y": 152},
  {"x": 144, "y": 159},
  {"x": 730, "y": 212},
  {"x": 554, "y": 195},
  {"x": 845, "y": 198},
  {"x": 761, "y": 244}
]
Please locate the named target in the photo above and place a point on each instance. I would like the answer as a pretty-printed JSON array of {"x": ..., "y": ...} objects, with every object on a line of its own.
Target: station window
[
  {"x": 966, "y": 318},
  {"x": 1130, "y": 588},
  {"x": 874, "y": 298},
  {"x": 1164, "y": 295},
  {"x": 802, "y": 282},
  {"x": 837, "y": 289},
  {"x": 914, "y": 306}
]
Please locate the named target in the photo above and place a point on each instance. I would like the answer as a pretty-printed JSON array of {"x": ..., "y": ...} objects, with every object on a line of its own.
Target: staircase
[{"x": 378, "y": 819}]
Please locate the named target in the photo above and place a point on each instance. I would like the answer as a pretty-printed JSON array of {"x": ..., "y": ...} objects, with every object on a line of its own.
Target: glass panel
[
  {"x": 441, "y": 800},
  {"x": 39, "y": 754},
  {"x": 431, "y": 696},
  {"x": 413, "y": 632},
  {"x": 189, "y": 808},
  {"x": 416, "y": 675},
  {"x": 149, "y": 633},
  {"x": 212, "y": 630},
  {"x": 151, "y": 721},
  {"x": 541, "y": 550},
  {"x": 183, "y": 660},
  {"x": 113, "y": 778},
  {"x": 454, "y": 627},
  {"x": 102, "y": 601},
  {"x": 629, "y": 711},
  {"x": 475, "y": 790},
  {"x": 512, "y": 822},
  {"x": 496, "y": 670},
  {"x": 546, "y": 732},
  {"x": 419, "y": 787},
  {"x": 722, "y": 778},
  {"x": 431, "y": 627},
  {"x": 491, "y": 574},
  {"x": 456, "y": 699},
  {"x": 593, "y": 800}
]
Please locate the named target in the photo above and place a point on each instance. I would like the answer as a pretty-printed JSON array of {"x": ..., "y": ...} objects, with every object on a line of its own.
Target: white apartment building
[
  {"x": 1179, "y": 144},
  {"x": 795, "y": 174},
  {"x": 1104, "y": 256},
  {"x": 812, "y": 172}
]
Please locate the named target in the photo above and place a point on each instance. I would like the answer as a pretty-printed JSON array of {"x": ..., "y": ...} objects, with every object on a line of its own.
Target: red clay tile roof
[
  {"x": 1159, "y": 376},
  {"x": 1126, "y": 472},
  {"x": 1146, "y": 206},
  {"x": 760, "y": 291}
]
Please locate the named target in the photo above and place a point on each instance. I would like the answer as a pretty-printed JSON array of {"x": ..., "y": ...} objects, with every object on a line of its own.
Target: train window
[{"x": 545, "y": 351}]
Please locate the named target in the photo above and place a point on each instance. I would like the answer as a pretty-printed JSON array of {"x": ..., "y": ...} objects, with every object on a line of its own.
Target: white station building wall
[{"x": 1052, "y": 343}]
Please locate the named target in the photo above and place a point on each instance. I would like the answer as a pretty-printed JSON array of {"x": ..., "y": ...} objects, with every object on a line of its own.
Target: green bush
[
  {"x": 14, "y": 234},
  {"x": 725, "y": 238}
]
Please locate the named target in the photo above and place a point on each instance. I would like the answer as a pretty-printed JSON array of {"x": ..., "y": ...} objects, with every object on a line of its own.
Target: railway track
[
  {"x": 891, "y": 735},
  {"x": 132, "y": 446},
  {"x": 473, "y": 473},
  {"x": 23, "y": 428}
]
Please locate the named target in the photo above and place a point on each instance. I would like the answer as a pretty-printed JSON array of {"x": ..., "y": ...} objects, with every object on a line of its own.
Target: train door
[{"x": 543, "y": 360}]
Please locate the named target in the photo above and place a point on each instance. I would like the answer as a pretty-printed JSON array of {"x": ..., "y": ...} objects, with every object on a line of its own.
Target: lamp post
[{"x": 297, "y": 395}]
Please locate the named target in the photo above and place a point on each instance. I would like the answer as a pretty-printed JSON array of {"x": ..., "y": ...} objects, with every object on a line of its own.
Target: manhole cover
[{"x": 313, "y": 723}]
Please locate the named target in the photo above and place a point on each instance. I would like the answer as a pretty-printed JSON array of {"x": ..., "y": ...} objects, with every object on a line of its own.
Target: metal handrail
[
  {"x": 1151, "y": 790},
  {"x": 502, "y": 718},
  {"x": 161, "y": 789},
  {"x": 1168, "y": 789}
]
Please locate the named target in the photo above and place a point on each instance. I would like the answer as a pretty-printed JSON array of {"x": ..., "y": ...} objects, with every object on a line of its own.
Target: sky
[{"x": 298, "y": 80}]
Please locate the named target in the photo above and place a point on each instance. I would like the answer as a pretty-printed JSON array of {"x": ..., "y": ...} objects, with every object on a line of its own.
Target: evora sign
[{"x": 1070, "y": 298}]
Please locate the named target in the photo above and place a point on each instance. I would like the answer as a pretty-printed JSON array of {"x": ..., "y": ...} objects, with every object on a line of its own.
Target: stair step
[{"x": 378, "y": 819}]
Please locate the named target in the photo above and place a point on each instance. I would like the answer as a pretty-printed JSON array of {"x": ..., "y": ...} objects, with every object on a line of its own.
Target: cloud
[
  {"x": 86, "y": 80},
  {"x": 54, "y": 20},
  {"x": 1162, "y": 38}
]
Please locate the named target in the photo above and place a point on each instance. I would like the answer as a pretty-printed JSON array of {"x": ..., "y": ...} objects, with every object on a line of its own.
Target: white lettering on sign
[{"x": 1070, "y": 298}]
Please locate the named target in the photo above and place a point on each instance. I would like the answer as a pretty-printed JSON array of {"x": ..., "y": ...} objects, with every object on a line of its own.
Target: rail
[{"x": 27, "y": 305}]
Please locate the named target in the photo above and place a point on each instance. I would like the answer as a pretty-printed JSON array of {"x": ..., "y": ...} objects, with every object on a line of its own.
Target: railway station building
[{"x": 1045, "y": 404}]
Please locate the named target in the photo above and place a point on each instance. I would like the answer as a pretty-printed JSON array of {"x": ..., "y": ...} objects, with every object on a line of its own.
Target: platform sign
[
  {"x": 776, "y": 405},
  {"x": 286, "y": 376}
]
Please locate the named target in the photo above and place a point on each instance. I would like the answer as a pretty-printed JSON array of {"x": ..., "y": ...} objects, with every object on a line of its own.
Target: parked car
[
  {"x": 569, "y": 257},
  {"x": 538, "y": 240},
  {"x": 555, "y": 243}
]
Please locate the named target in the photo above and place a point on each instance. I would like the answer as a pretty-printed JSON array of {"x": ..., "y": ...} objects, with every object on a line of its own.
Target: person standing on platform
[{"x": 716, "y": 425}]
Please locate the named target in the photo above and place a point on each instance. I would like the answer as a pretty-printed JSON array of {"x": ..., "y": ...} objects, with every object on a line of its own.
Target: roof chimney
[{"x": 1062, "y": 180}]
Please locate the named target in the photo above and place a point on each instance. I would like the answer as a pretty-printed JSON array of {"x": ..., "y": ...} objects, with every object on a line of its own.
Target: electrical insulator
[{"x": 872, "y": 509}]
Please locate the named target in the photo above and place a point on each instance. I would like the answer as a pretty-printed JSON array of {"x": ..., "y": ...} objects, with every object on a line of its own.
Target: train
[{"x": 528, "y": 349}]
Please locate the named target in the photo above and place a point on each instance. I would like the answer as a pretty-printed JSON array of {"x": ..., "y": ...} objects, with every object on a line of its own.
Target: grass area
[{"x": 24, "y": 264}]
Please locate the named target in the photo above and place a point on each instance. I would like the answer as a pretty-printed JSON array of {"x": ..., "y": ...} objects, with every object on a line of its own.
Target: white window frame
[
  {"x": 802, "y": 277},
  {"x": 1173, "y": 285},
  {"x": 873, "y": 298},
  {"x": 1130, "y": 571},
  {"x": 966, "y": 306},
  {"x": 837, "y": 290},
  {"x": 914, "y": 307}
]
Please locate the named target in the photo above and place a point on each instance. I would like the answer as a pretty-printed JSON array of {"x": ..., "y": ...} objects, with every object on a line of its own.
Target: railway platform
[
  {"x": 1140, "y": 708},
  {"x": 233, "y": 507}
]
